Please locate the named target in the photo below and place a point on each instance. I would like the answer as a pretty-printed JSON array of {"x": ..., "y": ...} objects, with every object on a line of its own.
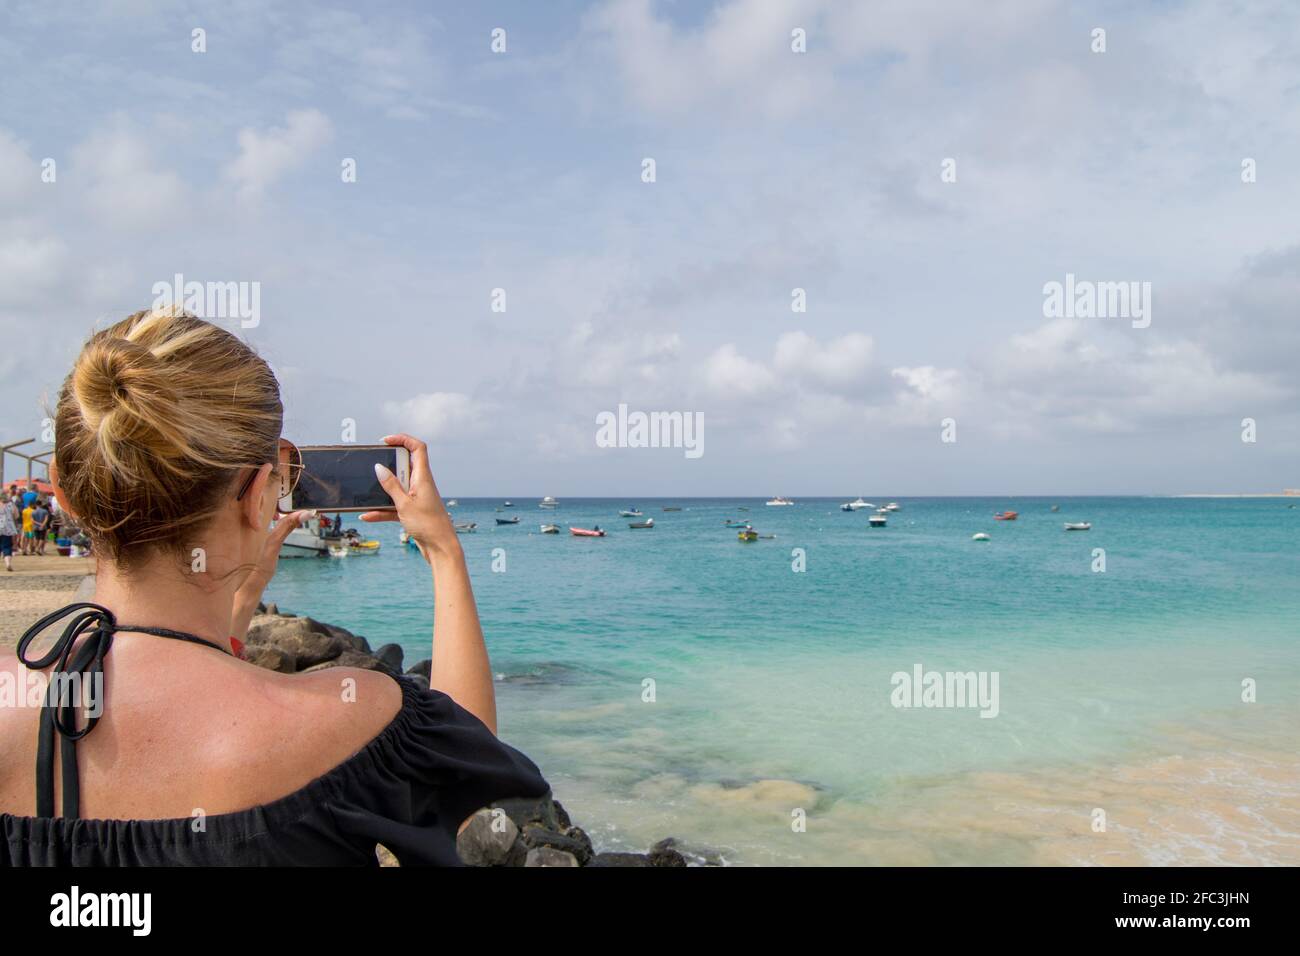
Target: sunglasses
[{"x": 289, "y": 468}]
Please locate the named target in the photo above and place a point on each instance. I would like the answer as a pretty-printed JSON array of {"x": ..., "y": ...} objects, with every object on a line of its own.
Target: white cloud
[
  {"x": 124, "y": 179},
  {"x": 839, "y": 364},
  {"x": 266, "y": 156},
  {"x": 727, "y": 372},
  {"x": 434, "y": 415}
]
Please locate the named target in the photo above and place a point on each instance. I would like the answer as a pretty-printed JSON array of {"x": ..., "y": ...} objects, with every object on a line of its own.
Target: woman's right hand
[{"x": 419, "y": 508}]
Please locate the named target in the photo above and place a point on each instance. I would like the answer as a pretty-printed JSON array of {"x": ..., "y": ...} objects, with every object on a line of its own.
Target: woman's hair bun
[{"x": 160, "y": 412}]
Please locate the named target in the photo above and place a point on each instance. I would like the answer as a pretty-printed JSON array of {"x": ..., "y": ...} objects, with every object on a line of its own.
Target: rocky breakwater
[{"x": 508, "y": 833}]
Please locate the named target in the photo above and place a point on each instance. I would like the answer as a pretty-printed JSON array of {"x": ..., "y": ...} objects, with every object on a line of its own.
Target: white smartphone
[{"x": 342, "y": 478}]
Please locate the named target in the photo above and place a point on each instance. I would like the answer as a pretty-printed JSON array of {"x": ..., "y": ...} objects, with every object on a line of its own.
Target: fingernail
[{"x": 381, "y": 472}]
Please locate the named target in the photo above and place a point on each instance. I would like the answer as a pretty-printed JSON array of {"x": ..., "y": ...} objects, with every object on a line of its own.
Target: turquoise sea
[{"x": 676, "y": 681}]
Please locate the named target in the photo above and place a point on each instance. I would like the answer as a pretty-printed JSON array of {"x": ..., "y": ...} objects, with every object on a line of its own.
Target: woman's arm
[{"x": 460, "y": 662}]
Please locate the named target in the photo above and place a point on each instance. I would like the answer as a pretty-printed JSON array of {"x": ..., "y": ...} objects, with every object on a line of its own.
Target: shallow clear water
[{"x": 762, "y": 673}]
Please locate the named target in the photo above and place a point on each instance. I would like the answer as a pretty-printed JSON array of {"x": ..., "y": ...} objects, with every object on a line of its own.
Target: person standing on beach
[
  {"x": 8, "y": 531},
  {"x": 29, "y": 537},
  {"x": 40, "y": 525},
  {"x": 168, "y": 439}
]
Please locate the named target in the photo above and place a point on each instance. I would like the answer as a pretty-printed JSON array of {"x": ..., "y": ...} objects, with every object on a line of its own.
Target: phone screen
[{"x": 343, "y": 478}]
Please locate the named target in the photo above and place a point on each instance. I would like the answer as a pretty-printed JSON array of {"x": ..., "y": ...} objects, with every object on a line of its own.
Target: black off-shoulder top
[{"x": 410, "y": 788}]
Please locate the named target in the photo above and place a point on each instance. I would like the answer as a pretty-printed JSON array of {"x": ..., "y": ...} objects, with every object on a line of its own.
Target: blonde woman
[{"x": 168, "y": 440}]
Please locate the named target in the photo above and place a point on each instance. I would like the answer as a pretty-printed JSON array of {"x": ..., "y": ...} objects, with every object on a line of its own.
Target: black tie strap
[{"x": 59, "y": 710}]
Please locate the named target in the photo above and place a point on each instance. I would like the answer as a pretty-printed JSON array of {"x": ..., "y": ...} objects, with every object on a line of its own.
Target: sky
[{"x": 921, "y": 171}]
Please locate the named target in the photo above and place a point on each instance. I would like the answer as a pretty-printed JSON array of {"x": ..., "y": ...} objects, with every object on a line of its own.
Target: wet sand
[{"x": 36, "y": 586}]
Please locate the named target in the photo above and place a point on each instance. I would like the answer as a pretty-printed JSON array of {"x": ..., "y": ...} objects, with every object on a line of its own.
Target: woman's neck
[{"x": 161, "y": 594}]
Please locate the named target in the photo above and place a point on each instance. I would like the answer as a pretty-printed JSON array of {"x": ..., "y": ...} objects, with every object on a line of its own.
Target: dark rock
[
  {"x": 351, "y": 658},
  {"x": 261, "y": 608},
  {"x": 665, "y": 853},
  {"x": 526, "y": 810},
  {"x": 391, "y": 655},
  {"x": 579, "y": 834},
  {"x": 424, "y": 668},
  {"x": 562, "y": 815},
  {"x": 270, "y": 657},
  {"x": 297, "y": 637},
  {"x": 620, "y": 859},
  {"x": 547, "y": 856},
  {"x": 535, "y": 836},
  {"x": 487, "y": 840}
]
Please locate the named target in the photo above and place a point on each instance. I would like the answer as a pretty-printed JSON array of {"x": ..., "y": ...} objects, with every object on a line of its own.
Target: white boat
[
  {"x": 550, "y": 529},
  {"x": 631, "y": 513},
  {"x": 548, "y": 502},
  {"x": 1078, "y": 526},
  {"x": 507, "y": 504},
  {"x": 308, "y": 540},
  {"x": 778, "y": 500},
  {"x": 877, "y": 521},
  {"x": 339, "y": 551},
  {"x": 981, "y": 536},
  {"x": 465, "y": 527},
  {"x": 452, "y": 503},
  {"x": 892, "y": 506},
  {"x": 856, "y": 505}
]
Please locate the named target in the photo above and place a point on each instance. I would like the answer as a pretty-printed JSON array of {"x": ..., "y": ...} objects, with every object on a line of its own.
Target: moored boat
[
  {"x": 465, "y": 527},
  {"x": 779, "y": 500},
  {"x": 877, "y": 521},
  {"x": 893, "y": 506},
  {"x": 856, "y": 505},
  {"x": 647, "y": 523},
  {"x": 631, "y": 513},
  {"x": 550, "y": 529},
  {"x": 733, "y": 523},
  {"x": 514, "y": 520},
  {"x": 548, "y": 502},
  {"x": 747, "y": 534},
  {"x": 1006, "y": 516},
  {"x": 1078, "y": 526},
  {"x": 980, "y": 536},
  {"x": 595, "y": 532}
]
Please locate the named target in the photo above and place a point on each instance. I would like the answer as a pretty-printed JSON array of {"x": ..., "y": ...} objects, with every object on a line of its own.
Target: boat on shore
[
  {"x": 596, "y": 532},
  {"x": 779, "y": 501},
  {"x": 550, "y": 529},
  {"x": 1006, "y": 516},
  {"x": 647, "y": 523},
  {"x": 514, "y": 520},
  {"x": 856, "y": 505},
  {"x": 1078, "y": 526},
  {"x": 310, "y": 540}
]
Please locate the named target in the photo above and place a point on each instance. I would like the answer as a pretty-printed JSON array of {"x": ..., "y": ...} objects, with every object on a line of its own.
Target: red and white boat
[
  {"x": 1006, "y": 516},
  {"x": 587, "y": 532}
]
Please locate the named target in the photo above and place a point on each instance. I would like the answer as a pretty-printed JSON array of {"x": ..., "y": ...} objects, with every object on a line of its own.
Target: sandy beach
[{"x": 36, "y": 586}]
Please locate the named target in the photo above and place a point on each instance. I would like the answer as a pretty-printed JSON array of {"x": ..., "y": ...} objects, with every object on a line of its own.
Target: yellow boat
[
  {"x": 748, "y": 534},
  {"x": 364, "y": 547}
]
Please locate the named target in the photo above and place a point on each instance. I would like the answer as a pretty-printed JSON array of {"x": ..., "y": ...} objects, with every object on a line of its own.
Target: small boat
[
  {"x": 514, "y": 520},
  {"x": 548, "y": 502},
  {"x": 465, "y": 527},
  {"x": 742, "y": 509},
  {"x": 1006, "y": 516},
  {"x": 1078, "y": 526},
  {"x": 363, "y": 547},
  {"x": 550, "y": 529},
  {"x": 747, "y": 534},
  {"x": 648, "y": 523},
  {"x": 877, "y": 521},
  {"x": 507, "y": 504},
  {"x": 452, "y": 503},
  {"x": 631, "y": 513},
  {"x": 893, "y": 506},
  {"x": 1056, "y": 507},
  {"x": 404, "y": 537},
  {"x": 981, "y": 536},
  {"x": 587, "y": 532},
  {"x": 779, "y": 501},
  {"x": 339, "y": 551},
  {"x": 856, "y": 505},
  {"x": 733, "y": 523},
  {"x": 672, "y": 509}
]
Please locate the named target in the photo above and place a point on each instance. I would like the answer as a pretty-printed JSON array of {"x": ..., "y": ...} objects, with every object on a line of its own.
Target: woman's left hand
[{"x": 249, "y": 594}]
